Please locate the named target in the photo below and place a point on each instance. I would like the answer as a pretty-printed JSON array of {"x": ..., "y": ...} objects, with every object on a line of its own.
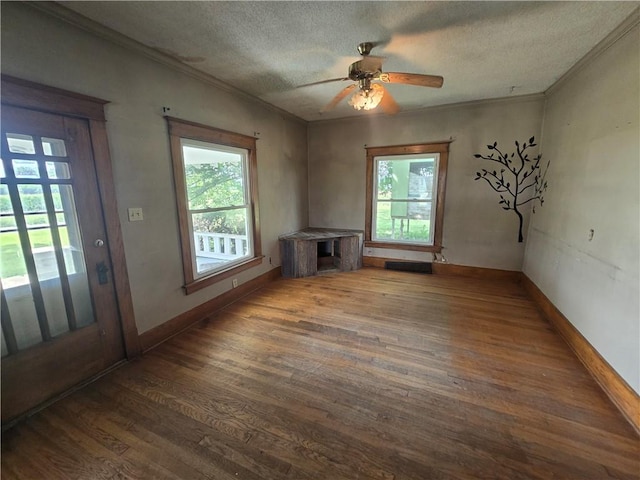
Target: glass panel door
[
  {"x": 44, "y": 276},
  {"x": 60, "y": 321}
]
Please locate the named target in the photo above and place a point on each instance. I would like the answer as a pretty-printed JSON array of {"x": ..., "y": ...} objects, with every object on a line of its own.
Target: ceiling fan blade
[
  {"x": 343, "y": 93},
  {"x": 412, "y": 79},
  {"x": 323, "y": 81},
  {"x": 388, "y": 104}
]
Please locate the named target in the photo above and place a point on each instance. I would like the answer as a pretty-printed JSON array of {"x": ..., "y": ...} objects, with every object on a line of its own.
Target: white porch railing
[{"x": 222, "y": 246}]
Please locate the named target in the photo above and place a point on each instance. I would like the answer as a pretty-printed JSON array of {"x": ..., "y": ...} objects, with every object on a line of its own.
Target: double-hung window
[
  {"x": 215, "y": 180},
  {"x": 405, "y": 196}
]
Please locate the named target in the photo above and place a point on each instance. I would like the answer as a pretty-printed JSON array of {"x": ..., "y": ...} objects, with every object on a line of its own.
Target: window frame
[
  {"x": 440, "y": 148},
  {"x": 183, "y": 129}
]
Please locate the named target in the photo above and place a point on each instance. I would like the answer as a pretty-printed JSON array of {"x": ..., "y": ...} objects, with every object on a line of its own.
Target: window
[
  {"x": 215, "y": 180},
  {"x": 405, "y": 196}
]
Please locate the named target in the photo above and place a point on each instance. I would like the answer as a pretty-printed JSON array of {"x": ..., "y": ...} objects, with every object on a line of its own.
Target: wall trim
[
  {"x": 620, "y": 31},
  {"x": 440, "y": 268},
  {"x": 157, "y": 335},
  {"x": 616, "y": 388},
  {"x": 529, "y": 97}
]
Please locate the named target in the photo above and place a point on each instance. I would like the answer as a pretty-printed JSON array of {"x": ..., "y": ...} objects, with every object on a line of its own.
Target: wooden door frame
[{"x": 34, "y": 96}]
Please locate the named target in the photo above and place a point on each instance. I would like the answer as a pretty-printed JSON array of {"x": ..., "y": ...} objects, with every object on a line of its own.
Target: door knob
[{"x": 99, "y": 243}]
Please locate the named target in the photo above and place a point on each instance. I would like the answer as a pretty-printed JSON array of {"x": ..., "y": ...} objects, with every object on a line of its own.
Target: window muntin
[
  {"x": 405, "y": 196},
  {"x": 216, "y": 177},
  {"x": 219, "y": 232},
  {"x": 403, "y": 190}
]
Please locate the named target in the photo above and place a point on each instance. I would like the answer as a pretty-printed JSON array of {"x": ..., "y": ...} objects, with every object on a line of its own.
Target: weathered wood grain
[
  {"x": 371, "y": 374},
  {"x": 299, "y": 251}
]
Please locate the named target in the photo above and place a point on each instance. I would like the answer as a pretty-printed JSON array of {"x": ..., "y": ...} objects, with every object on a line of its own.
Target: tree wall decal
[{"x": 519, "y": 180}]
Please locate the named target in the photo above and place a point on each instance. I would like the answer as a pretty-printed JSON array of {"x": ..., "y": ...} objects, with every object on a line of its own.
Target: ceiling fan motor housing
[{"x": 360, "y": 71}]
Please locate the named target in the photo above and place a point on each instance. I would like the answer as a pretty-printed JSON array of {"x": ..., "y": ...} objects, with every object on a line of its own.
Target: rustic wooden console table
[{"x": 318, "y": 250}]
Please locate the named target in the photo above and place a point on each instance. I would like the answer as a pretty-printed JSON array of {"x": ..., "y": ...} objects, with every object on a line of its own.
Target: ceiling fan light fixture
[{"x": 367, "y": 99}]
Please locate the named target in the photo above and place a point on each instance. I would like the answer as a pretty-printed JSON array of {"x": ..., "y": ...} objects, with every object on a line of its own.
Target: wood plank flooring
[{"x": 370, "y": 374}]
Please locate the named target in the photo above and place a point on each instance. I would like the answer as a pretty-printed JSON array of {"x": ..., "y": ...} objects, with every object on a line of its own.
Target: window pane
[
  {"x": 54, "y": 147},
  {"x": 20, "y": 143},
  {"x": 32, "y": 198},
  {"x": 36, "y": 220},
  {"x": 11, "y": 259},
  {"x": 214, "y": 177},
  {"x": 22, "y": 310},
  {"x": 384, "y": 179},
  {"x": 3, "y": 174},
  {"x": 49, "y": 278},
  {"x": 42, "y": 248},
  {"x": 25, "y": 169},
  {"x": 69, "y": 229},
  {"x": 5, "y": 200},
  {"x": 72, "y": 248},
  {"x": 403, "y": 200},
  {"x": 421, "y": 179},
  {"x": 8, "y": 223},
  {"x": 403, "y": 179},
  {"x": 58, "y": 170},
  {"x": 220, "y": 238},
  {"x": 403, "y": 221},
  {"x": 57, "y": 196}
]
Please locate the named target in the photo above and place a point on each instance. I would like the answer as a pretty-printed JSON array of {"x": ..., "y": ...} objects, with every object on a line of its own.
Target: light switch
[{"x": 135, "y": 214}]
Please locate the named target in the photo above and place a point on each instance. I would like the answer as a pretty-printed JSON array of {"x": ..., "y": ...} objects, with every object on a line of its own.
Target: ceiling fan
[{"x": 369, "y": 93}]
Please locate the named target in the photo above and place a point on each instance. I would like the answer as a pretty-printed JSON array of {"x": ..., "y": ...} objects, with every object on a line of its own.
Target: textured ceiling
[{"x": 482, "y": 49}]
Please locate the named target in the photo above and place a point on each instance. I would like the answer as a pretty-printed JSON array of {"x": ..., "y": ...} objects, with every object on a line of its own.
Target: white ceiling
[{"x": 482, "y": 49}]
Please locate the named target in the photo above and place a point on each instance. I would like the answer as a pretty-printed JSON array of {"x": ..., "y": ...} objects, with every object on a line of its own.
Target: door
[{"x": 60, "y": 321}]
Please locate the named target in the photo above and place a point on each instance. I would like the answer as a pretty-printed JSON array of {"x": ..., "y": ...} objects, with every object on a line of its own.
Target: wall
[
  {"x": 476, "y": 230},
  {"x": 592, "y": 137},
  {"x": 40, "y": 48}
]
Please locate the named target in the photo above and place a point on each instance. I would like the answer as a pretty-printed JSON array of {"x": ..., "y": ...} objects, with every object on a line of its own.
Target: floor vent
[{"x": 418, "y": 267}]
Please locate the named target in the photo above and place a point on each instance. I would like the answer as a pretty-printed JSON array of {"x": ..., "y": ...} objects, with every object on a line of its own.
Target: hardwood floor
[{"x": 371, "y": 374}]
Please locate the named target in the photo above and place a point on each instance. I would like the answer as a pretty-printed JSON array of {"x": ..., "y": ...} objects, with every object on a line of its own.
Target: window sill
[
  {"x": 204, "y": 282},
  {"x": 404, "y": 246}
]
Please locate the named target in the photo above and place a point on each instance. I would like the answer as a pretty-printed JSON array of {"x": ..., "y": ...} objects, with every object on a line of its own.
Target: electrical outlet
[
  {"x": 234, "y": 282},
  {"x": 135, "y": 214}
]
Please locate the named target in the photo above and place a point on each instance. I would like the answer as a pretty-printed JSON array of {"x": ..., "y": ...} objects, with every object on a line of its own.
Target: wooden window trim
[
  {"x": 441, "y": 148},
  {"x": 34, "y": 96},
  {"x": 178, "y": 129}
]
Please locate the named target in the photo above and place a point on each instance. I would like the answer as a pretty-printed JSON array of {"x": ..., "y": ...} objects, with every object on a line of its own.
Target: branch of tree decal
[{"x": 520, "y": 174}]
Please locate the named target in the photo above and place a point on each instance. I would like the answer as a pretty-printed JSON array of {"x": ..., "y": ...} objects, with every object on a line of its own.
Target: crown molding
[
  {"x": 533, "y": 97},
  {"x": 620, "y": 31},
  {"x": 62, "y": 13}
]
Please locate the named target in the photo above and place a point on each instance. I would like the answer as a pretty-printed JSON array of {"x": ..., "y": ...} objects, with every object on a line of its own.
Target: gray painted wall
[
  {"x": 592, "y": 136},
  {"x": 43, "y": 49},
  {"x": 476, "y": 230}
]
